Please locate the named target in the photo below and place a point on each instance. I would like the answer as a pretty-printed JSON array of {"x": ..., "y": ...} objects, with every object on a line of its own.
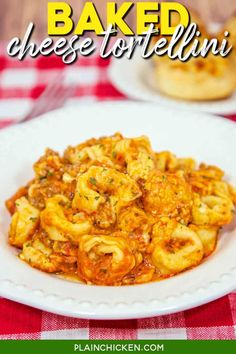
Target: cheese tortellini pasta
[
  {"x": 179, "y": 250},
  {"x": 112, "y": 211},
  {"x": 24, "y": 222},
  {"x": 106, "y": 259}
]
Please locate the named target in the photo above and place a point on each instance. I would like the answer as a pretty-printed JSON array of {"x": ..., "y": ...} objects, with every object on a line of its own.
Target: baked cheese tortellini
[
  {"x": 100, "y": 184},
  {"x": 39, "y": 254},
  {"x": 112, "y": 211},
  {"x": 179, "y": 250},
  {"x": 212, "y": 210},
  {"x": 57, "y": 225},
  {"x": 208, "y": 236},
  {"x": 138, "y": 156},
  {"x": 168, "y": 194}
]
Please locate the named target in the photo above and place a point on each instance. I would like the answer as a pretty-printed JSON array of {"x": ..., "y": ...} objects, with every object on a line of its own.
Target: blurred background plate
[{"x": 135, "y": 78}]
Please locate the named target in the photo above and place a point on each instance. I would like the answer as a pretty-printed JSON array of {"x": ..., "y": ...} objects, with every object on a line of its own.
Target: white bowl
[{"x": 206, "y": 138}]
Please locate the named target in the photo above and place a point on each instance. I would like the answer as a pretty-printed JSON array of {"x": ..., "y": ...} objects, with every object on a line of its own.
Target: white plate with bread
[
  {"x": 200, "y": 84},
  {"x": 137, "y": 79}
]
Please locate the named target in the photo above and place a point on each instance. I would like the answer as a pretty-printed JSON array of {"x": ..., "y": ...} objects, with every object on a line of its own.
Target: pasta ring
[
  {"x": 212, "y": 210},
  {"x": 57, "y": 226},
  {"x": 138, "y": 155},
  {"x": 24, "y": 222},
  {"x": 105, "y": 259},
  {"x": 98, "y": 181},
  {"x": 38, "y": 255},
  {"x": 175, "y": 253}
]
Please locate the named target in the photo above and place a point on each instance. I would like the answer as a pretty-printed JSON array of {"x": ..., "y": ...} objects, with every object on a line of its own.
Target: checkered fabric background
[{"x": 21, "y": 83}]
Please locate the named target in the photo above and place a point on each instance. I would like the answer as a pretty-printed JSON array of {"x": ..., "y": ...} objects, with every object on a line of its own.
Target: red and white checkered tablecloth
[{"x": 20, "y": 84}]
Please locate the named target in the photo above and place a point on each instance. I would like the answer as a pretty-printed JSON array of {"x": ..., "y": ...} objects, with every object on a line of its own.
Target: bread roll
[{"x": 198, "y": 79}]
